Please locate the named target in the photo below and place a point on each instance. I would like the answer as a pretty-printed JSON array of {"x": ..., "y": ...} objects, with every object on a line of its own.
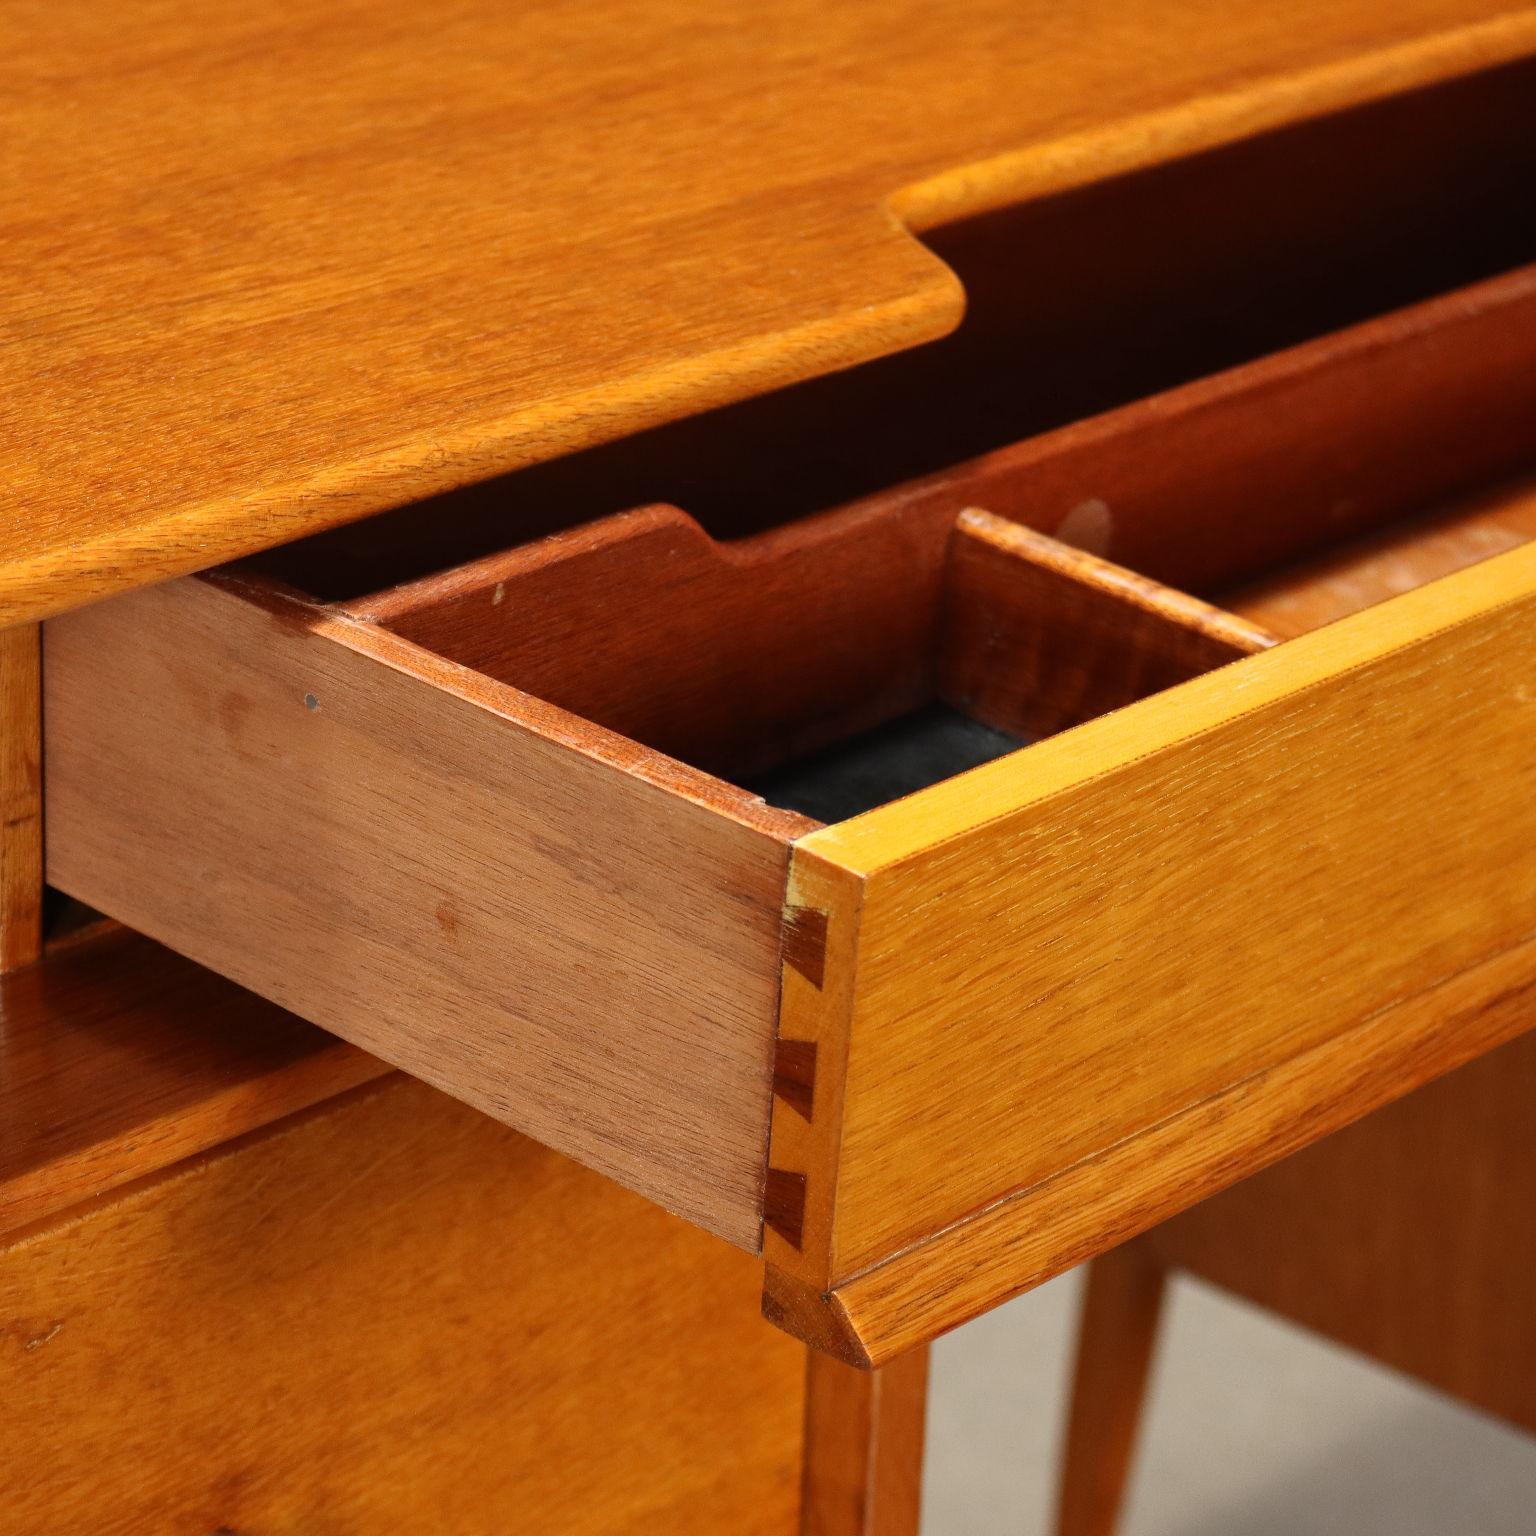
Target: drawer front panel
[{"x": 1030, "y": 967}]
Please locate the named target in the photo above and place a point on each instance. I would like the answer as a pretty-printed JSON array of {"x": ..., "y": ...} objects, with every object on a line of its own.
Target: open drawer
[{"x": 660, "y": 849}]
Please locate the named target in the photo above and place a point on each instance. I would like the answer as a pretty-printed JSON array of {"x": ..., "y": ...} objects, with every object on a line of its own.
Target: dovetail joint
[
  {"x": 784, "y": 1205},
  {"x": 794, "y": 1075},
  {"x": 805, "y": 943}
]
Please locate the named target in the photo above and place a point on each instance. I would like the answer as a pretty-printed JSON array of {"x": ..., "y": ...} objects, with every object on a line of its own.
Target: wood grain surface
[
  {"x": 1076, "y": 303},
  {"x": 863, "y": 1464},
  {"x": 642, "y": 623},
  {"x": 1019, "y": 1009},
  {"x": 737, "y": 656},
  {"x": 729, "y": 656},
  {"x": 1039, "y": 636},
  {"x": 1020, "y": 1242},
  {"x": 391, "y": 1314},
  {"x": 1220, "y": 482},
  {"x": 559, "y": 930},
  {"x": 1407, "y": 1236},
  {"x": 21, "y": 797},
  {"x": 119, "y": 1058},
  {"x": 321, "y": 265},
  {"x": 1403, "y": 556}
]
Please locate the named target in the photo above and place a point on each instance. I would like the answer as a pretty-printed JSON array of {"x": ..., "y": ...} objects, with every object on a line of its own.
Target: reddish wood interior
[
  {"x": 1406, "y": 554},
  {"x": 1330, "y": 460},
  {"x": 738, "y": 657}
]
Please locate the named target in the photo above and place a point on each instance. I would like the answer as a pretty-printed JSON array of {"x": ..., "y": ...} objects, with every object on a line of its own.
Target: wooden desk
[{"x": 466, "y": 766}]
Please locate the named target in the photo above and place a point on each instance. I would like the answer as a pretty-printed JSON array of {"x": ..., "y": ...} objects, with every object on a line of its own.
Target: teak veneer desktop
[{"x": 505, "y": 576}]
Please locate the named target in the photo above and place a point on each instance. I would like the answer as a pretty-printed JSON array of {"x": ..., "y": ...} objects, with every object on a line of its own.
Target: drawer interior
[
  {"x": 842, "y": 661},
  {"x": 827, "y": 667},
  {"x": 826, "y": 662},
  {"x": 1318, "y": 482},
  {"x": 1407, "y": 552},
  {"x": 814, "y": 672}
]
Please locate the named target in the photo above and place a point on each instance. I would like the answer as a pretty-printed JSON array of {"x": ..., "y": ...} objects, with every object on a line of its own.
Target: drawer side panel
[{"x": 389, "y": 853}]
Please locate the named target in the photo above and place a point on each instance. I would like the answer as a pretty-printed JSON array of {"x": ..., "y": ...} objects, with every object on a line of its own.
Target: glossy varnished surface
[
  {"x": 272, "y": 270},
  {"x": 381, "y": 832},
  {"x": 389, "y": 1315},
  {"x": 1023, "y": 992},
  {"x": 1406, "y": 1235},
  {"x": 117, "y": 1058}
]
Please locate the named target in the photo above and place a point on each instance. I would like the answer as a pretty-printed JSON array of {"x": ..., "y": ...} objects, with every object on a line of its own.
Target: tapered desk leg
[
  {"x": 863, "y": 1447},
  {"x": 1114, "y": 1354}
]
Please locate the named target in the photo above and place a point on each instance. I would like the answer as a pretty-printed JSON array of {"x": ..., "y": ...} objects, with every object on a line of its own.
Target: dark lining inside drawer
[{"x": 877, "y": 766}]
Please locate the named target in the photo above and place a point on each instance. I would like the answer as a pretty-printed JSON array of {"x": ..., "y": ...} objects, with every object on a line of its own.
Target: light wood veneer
[
  {"x": 119, "y": 1059},
  {"x": 327, "y": 264},
  {"x": 391, "y": 1313}
]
